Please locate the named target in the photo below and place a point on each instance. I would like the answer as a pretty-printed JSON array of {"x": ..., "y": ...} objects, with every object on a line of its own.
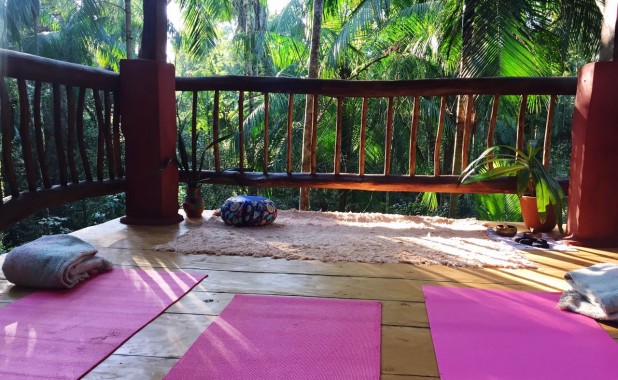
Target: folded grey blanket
[
  {"x": 53, "y": 261},
  {"x": 594, "y": 292}
]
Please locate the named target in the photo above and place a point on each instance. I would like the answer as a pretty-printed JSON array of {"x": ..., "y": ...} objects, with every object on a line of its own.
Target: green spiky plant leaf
[
  {"x": 497, "y": 207},
  {"x": 430, "y": 200},
  {"x": 532, "y": 177},
  {"x": 192, "y": 169}
]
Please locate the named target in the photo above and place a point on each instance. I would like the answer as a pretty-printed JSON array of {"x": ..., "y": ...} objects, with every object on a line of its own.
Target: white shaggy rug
[{"x": 371, "y": 238}]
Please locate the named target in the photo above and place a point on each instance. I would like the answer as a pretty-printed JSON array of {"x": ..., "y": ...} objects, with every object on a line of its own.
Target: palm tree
[
  {"x": 200, "y": 33},
  {"x": 19, "y": 27},
  {"x": 314, "y": 64},
  {"x": 128, "y": 29},
  {"x": 87, "y": 31}
]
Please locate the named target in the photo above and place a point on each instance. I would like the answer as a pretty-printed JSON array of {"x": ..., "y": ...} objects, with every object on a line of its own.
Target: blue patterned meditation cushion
[{"x": 247, "y": 210}]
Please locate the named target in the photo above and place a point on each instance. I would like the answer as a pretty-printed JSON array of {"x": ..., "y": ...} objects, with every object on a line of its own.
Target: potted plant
[
  {"x": 541, "y": 197},
  {"x": 191, "y": 170}
]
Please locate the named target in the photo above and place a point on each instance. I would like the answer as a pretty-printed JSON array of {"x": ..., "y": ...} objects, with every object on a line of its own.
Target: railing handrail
[
  {"x": 495, "y": 87},
  {"x": 384, "y": 88},
  {"x": 66, "y": 86},
  {"x": 444, "y": 183},
  {"x": 31, "y": 67},
  {"x": 29, "y": 202}
]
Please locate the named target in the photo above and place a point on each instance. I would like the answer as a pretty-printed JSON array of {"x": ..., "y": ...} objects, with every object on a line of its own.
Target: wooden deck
[{"x": 407, "y": 349}]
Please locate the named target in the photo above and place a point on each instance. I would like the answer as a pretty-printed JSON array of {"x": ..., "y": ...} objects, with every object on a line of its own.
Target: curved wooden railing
[
  {"x": 337, "y": 90},
  {"x": 60, "y": 130},
  {"x": 62, "y": 141}
]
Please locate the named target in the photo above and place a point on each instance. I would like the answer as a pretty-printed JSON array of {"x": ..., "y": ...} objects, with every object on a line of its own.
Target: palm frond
[
  {"x": 290, "y": 21},
  {"x": 498, "y": 42},
  {"x": 367, "y": 14},
  {"x": 200, "y": 29},
  {"x": 430, "y": 200},
  {"x": 497, "y": 207},
  {"x": 579, "y": 22}
]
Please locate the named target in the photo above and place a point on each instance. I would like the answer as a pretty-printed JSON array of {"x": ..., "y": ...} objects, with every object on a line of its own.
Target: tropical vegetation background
[{"x": 349, "y": 39}]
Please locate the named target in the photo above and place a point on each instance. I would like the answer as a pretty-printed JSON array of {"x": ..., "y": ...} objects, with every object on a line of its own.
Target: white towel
[
  {"x": 53, "y": 261},
  {"x": 594, "y": 292}
]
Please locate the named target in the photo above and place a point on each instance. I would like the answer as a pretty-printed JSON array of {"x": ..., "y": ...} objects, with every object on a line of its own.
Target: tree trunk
[
  {"x": 252, "y": 20},
  {"x": 128, "y": 31},
  {"x": 37, "y": 21},
  {"x": 347, "y": 125},
  {"x": 318, "y": 10},
  {"x": 154, "y": 33},
  {"x": 248, "y": 45},
  {"x": 460, "y": 120},
  {"x": 259, "y": 28},
  {"x": 466, "y": 62},
  {"x": 608, "y": 30}
]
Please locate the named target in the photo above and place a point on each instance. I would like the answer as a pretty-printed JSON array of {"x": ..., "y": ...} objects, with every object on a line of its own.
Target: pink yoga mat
[
  {"x": 287, "y": 338},
  {"x": 493, "y": 334},
  {"x": 62, "y": 334}
]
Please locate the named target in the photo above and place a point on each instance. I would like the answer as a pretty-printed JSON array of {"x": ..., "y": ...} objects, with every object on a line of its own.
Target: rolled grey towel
[
  {"x": 53, "y": 261},
  {"x": 594, "y": 292}
]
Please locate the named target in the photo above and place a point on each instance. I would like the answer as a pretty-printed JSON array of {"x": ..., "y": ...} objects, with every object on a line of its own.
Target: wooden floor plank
[
  {"x": 10, "y": 293},
  {"x": 199, "y": 302},
  {"x": 133, "y": 367},
  {"x": 168, "y": 336},
  {"x": 408, "y": 351},
  {"x": 401, "y": 313},
  {"x": 156, "y": 259},
  {"x": 394, "y": 313},
  {"x": 336, "y": 287},
  {"x": 611, "y": 328}
]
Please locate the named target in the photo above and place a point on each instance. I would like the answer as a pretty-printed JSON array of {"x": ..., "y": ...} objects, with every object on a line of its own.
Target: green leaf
[
  {"x": 497, "y": 207},
  {"x": 523, "y": 179},
  {"x": 494, "y": 173},
  {"x": 182, "y": 152},
  {"x": 542, "y": 199},
  {"x": 430, "y": 200}
]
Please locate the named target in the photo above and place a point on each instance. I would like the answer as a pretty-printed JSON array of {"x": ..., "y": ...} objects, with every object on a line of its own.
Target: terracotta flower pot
[
  {"x": 193, "y": 204},
  {"x": 531, "y": 216}
]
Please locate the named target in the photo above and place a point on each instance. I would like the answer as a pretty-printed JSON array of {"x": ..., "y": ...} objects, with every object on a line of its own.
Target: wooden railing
[
  {"x": 62, "y": 140},
  {"x": 61, "y": 137},
  {"x": 441, "y": 91}
]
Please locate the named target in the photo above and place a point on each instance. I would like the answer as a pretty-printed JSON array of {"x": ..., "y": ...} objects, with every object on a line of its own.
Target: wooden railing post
[
  {"x": 148, "y": 108},
  {"x": 593, "y": 204},
  {"x": 147, "y": 111}
]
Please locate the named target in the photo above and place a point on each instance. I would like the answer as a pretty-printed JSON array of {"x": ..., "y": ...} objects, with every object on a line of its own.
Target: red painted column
[
  {"x": 148, "y": 109},
  {"x": 593, "y": 191}
]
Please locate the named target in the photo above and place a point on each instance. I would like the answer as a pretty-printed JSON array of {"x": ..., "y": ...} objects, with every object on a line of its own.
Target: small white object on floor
[
  {"x": 593, "y": 293},
  {"x": 53, "y": 261},
  {"x": 553, "y": 244}
]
